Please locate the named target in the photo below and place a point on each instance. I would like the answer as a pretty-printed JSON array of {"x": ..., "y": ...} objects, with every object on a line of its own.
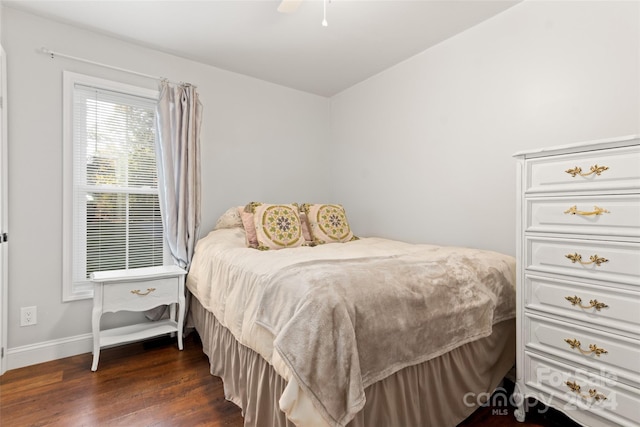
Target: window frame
[{"x": 77, "y": 291}]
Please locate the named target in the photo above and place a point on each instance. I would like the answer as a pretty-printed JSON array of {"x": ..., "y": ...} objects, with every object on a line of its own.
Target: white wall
[
  {"x": 426, "y": 146},
  {"x": 250, "y": 129}
]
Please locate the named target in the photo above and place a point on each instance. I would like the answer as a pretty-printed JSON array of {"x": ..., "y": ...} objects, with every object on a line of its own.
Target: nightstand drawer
[
  {"x": 599, "y": 305},
  {"x": 614, "y": 354},
  {"x": 564, "y": 173},
  {"x": 574, "y": 389},
  {"x": 596, "y": 215},
  {"x": 139, "y": 296},
  {"x": 596, "y": 260}
]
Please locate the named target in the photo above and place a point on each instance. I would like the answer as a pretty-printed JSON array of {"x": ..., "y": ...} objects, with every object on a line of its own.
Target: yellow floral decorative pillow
[
  {"x": 277, "y": 226},
  {"x": 328, "y": 223}
]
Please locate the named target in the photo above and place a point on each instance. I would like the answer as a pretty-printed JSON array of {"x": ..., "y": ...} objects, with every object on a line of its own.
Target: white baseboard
[{"x": 19, "y": 357}]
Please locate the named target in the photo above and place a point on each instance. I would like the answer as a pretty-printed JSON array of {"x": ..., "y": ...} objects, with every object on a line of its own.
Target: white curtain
[
  {"x": 179, "y": 115},
  {"x": 178, "y": 118}
]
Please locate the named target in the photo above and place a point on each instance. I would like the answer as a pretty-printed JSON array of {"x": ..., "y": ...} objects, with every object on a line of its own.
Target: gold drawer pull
[
  {"x": 574, "y": 343},
  {"x": 573, "y": 210},
  {"x": 593, "y": 393},
  {"x": 137, "y": 291},
  {"x": 576, "y": 300},
  {"x": 595, "y": 259},
  {"x": 594, "y": 169}
]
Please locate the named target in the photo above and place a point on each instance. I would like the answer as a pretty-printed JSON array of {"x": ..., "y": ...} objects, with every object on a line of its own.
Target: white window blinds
[{"x": 116, "y": 214}]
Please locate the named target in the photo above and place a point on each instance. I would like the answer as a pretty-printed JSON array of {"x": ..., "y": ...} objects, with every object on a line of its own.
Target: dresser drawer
[
  {"x": 139, "y": 296},
  {"x": 590, "y": 259},
  {"x": 571, "y": 389},
  {"x": 596, "y": 350},
  {"x": 556, "y": 173},
  {"x": 603, "y": 307},
  {"x": 595, "y": 215}
]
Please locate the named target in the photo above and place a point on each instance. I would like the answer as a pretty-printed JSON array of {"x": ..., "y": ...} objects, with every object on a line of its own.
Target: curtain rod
[{"x": 53, "y": 54}]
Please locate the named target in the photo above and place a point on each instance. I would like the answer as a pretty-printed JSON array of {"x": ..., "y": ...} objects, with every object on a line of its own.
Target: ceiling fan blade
[{"x": 289, "y": 6}]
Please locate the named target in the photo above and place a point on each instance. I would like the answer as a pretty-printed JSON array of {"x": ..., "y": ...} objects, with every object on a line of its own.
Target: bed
[{"x": 368, "y": 331}]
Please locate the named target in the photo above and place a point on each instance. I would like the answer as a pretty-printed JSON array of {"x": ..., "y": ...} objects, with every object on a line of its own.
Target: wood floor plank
[
  {"x": 31, "y": 384},
  {"x": 151, "y": 384}
]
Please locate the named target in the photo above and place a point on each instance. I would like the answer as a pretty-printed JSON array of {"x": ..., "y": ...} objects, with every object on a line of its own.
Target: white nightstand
[{"x": 137, "y": 289}]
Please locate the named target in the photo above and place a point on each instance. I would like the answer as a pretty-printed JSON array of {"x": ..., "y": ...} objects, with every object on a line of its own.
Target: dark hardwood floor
[{"x": 151, "y": 384}]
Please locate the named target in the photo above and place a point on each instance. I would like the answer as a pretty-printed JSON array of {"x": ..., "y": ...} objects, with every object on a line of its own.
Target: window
[{"x": 112, "y": 213}]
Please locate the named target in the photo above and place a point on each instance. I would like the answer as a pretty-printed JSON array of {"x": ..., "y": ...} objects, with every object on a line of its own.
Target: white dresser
[{"x": 578, "y": 283}]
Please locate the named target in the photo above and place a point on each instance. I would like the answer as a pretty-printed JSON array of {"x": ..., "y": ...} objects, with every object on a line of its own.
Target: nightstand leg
[
  {"x": 181, "y": 308},
  {"x": 95, "y": 326},
  {"x": 172, "y": 312}
]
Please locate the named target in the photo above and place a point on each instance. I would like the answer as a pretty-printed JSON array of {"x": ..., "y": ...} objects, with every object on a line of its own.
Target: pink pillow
[
  {"x": 249, "y": 227},
  {"x": 305, "y": 227}
]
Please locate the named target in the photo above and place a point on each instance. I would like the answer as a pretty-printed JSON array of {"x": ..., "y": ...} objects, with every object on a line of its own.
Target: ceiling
[{"x": 363, "y": 37}]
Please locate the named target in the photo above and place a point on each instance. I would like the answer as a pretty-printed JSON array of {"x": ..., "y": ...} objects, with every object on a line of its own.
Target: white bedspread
[{"x": 233, "y": 282}]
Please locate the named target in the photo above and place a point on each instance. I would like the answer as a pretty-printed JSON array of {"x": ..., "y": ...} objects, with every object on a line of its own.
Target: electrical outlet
[{"x": 28, "y": 316}]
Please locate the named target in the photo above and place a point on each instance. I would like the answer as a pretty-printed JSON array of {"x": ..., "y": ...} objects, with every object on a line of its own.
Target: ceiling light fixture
[
  {"x": 290, "y": 6},
  {"x": 324, "y": 17}
]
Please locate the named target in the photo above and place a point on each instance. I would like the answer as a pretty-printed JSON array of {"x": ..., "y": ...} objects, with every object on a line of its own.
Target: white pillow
[{"x": 229, "y": 219}]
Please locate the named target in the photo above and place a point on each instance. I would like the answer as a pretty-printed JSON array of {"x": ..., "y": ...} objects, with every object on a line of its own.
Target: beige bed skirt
[{"x": 440, "y": 392}]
